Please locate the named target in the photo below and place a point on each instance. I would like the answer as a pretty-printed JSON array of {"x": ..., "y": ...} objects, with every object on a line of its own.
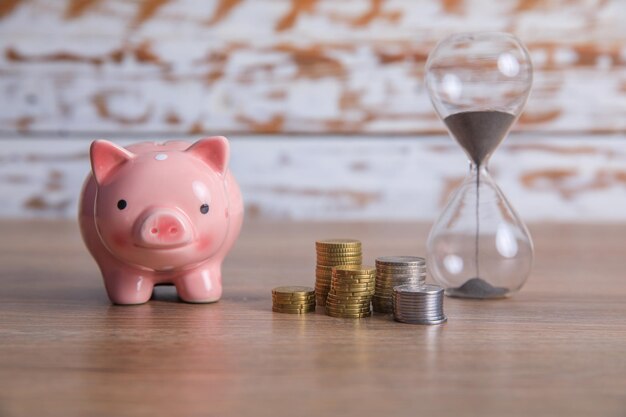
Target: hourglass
[{"x": 479, "y": 84}]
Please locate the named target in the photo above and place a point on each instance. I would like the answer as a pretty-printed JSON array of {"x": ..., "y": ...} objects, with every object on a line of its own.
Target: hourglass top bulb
[{"x": 479, "y": 84}]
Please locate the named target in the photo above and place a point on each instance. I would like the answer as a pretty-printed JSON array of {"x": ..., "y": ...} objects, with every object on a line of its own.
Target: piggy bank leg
[
  {"x": 128, "y": 287},
  {"x": 202, "y": 285}
]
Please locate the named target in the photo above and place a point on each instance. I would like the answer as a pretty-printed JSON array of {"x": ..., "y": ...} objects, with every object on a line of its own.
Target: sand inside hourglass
[{"x": 479, "y": 133}]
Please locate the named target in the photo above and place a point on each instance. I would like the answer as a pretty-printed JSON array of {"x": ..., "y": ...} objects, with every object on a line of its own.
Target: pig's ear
[
  {"x": 106, "y": 158},
  {"x": 213, "y": 151}
]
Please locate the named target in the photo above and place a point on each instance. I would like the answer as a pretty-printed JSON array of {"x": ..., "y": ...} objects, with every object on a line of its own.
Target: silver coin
[
  {"x": 400, "y": 260},
  {"x": 388, "y": 268},
  {"x": 418, "y": 316},
  {"x": 386, "y": 279},
  {"x": 421, "y": 289},
  {"x": 418, "y": 313},
  {"x": 426, "y": 322},
  {"x": 419, "y": 299},
  {"x": 392, "y": 266}
]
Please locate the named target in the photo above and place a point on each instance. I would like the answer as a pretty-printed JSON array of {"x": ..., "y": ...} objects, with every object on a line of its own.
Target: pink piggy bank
[{"x": 161, "y": 214}]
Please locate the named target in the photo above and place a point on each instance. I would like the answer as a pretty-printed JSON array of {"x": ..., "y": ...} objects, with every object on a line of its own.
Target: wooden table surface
[{"x": 557, "y": 348}]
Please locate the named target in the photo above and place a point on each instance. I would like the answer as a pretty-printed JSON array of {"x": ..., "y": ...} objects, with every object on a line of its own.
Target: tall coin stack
[
  {"x": 392, "y": 271},
  {"x": 418, "y": 304},
  {"x": 293, "y": 300},
  {"x": 351, "y": 290},
  {"x": 330, "y": 253}
]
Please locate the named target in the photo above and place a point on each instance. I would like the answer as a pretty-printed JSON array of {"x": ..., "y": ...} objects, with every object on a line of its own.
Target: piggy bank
[{"x": 160, "y": 214}]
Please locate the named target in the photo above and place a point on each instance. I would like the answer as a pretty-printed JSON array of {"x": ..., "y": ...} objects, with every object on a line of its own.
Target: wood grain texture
[
  {"x": 556, "y": 348},
  {"x": 290, "y": 65}
]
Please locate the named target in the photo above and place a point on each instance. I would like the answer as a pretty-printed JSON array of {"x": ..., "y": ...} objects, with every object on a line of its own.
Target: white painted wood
[
  {"x": 579, "y": 179},
  {"x": 280, "y": 66}
]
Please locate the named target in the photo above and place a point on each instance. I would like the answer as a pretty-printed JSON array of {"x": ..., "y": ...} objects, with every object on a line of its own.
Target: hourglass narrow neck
[{"x": 476, "y": 169}]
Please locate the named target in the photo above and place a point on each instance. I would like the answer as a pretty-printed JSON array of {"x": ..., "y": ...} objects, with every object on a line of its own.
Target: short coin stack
[
  {"x": 330, "y": 253},
  {"x": 293, "y": 300},
  {"x": 392, "y": 271},
  {"x": 351, "y": 290},
  {"x": 418, "y": 304}
]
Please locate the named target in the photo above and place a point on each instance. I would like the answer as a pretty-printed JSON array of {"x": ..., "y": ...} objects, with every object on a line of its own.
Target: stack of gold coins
[
  {"x": 351, "y": 290},
  {"x": 293, "y": 300},
  {"x": 392, "y": 271},
  {"x": 333, "y": 252}
]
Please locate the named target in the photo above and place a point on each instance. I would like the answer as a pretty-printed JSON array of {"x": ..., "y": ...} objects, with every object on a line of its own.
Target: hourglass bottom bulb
[{"x": 477, "y": 288}]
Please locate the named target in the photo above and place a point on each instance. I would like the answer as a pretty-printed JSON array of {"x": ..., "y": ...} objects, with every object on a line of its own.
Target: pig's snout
[{"x": 163, "y": 228}]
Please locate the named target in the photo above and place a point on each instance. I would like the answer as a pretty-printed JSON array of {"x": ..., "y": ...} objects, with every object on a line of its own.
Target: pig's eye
[
  {"x": 204, "y": 209},
  {"x": 121, "y": 204}
]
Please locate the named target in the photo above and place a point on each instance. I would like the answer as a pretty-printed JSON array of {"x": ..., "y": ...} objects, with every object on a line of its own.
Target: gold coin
[
  {"x": 355, "y": 300},
  {"x": 323, "y": 260},
  {"x": 292, "y": 289},
  {"x": 331, "y": 264},
  {"x": 335, "y": 306},
  {"x": 343, "y": 294},
  {"x": 352, "y": 275},
  {"x": 293, "y": 304},
  {"x": 352, "y": 287},
  {"x": 342, "y": 270},
  {"x": 294, "y": 296},
  {"x": 337, "y": 261},
  {"x": 338, "y": 255},
  {"x": 337, "y": 300},
  {"x": 353, "y": 278},
  {"x": 348, "y": 299},
  {"x": 361, "y": 268},
  {"x": 349, "y": 309},
  {"x": 340, "y": 261},
  {"x": 293, "y": 308},
  {"x": 338, "y": 251},
  {"x": 293, "y": 312},
  {"x": 337, "y": 242},
  {"x": 337, "y": 248},
  {"x": 348, "y": 316},
  {"x": 286, "y": 305}
]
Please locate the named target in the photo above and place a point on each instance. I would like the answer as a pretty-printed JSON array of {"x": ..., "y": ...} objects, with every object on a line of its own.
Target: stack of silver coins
[
  {"x": 418, "y": 304},
  {"x": 392, "y": 271}
]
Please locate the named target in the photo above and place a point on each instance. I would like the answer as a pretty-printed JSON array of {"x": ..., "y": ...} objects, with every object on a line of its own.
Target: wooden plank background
[
  {"x": 334, "y": 178},
  {"x": 274, "y": 66},
  {"x": 286, "y": 79}
]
